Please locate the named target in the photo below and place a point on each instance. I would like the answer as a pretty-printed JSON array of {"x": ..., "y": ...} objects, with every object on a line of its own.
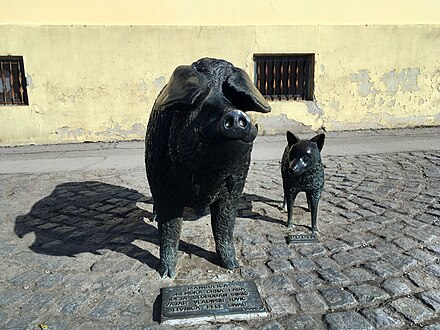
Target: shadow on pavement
[
  {"x": 259, "y": 208},
  {"x": 89, "y": 216}
]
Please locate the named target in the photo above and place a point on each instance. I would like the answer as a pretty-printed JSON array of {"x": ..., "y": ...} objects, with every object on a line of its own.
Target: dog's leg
[
  {"x": 290, "y": 199},
  {"x": 313, "y": 198}
]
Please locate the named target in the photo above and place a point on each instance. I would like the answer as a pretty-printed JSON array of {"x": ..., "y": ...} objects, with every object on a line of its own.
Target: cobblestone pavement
[{"x": 79, "y": 249}]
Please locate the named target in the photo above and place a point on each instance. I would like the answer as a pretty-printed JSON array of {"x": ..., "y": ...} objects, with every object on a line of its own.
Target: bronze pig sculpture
[
  {"x": 197, "y": 152},
  {"x": 302, "y": 170}
]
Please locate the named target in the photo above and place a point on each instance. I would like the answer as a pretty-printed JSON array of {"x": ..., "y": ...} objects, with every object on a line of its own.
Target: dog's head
[{"x": 303, "y": 154}]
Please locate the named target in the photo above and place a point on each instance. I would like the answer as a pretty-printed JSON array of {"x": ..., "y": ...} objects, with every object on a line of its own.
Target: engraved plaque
[
  {"x": 212, "y": 301},
  {"x": 296, "y": 239}
]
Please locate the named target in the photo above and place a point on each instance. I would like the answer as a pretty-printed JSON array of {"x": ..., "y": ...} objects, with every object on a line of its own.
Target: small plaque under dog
[
  {"x": 211, "y": 302},
  {"x": 296, "y": 239}
]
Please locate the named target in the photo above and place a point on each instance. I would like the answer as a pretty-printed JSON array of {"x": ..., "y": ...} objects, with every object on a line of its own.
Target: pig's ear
[
  {"x": 184, "y": 91},
  {"x": 291, "y": 138},
  {"x": 319, "y": 140},
  {"x": 242, "y": 93}
]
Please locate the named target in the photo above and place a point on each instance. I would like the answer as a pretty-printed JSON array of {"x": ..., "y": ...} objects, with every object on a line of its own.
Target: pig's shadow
[{"x": 90, "y": 216}]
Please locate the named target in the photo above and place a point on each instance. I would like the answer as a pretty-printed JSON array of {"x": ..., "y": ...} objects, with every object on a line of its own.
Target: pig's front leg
[
  {"x": 169, "y": 235},
  {"x": 223, "y": 214}
]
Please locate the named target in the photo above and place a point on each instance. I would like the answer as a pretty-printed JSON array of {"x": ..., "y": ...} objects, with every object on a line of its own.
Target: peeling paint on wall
[
  {"x": 115, "y": 133},
  {"x": 364, "y": 84},
  {"x": 280, "y": 125},
  {"x": 405, "y": 79}
]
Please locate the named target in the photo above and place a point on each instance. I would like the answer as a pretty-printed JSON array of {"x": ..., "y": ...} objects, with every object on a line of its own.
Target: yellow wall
[
  {"x": 221, "y": 12},
  {"x": 98, "y": 83},
  {"x": 95, "y": 67}
]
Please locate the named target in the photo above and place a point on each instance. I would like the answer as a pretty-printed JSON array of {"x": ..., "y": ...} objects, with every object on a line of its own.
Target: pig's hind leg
[
  {"x": 169, "y": 226},
  {"x": 223, "y": 214}
]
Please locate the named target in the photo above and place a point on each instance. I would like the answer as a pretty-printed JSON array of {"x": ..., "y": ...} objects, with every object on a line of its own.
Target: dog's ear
[
  {"x": 239, "y": 89},
  {"x": 319, "y": 140},
  {"x": 185, "y": 89},
  {"x": 291, "y": 138}
]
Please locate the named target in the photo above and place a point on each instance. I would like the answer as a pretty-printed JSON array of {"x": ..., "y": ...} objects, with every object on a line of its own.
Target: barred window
[
  {"x": 12, "y": 81},
  {"x": 285, "y": 76}
]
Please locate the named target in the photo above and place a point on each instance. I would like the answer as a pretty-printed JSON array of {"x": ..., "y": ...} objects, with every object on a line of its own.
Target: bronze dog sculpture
[{"x": 302, "y": 170}]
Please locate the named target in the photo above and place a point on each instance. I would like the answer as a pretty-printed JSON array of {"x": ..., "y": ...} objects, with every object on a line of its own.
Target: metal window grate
[
  {"x": 12, "y": 81},
  {"x": 285, "y": 77}
]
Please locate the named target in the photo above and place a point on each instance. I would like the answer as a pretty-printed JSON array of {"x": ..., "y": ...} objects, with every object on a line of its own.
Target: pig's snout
[
  {"x": 235, "y": 124},
  {"x": 232, "y": 125}
]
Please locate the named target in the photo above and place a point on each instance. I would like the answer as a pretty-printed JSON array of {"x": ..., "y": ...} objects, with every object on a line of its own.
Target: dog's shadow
[{"x": 90, "y": 216}]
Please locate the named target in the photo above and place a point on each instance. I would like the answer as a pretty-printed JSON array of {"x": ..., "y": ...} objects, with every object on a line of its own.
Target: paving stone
[
  {"x": 381, "y": 268},
  {"x": 309, "y": 280},
  {"x": 400, "y": 261},
  {"x": 281, "y": 304},
  {"x": 251, "y": 252},
  {"x": 311, "y": 250},
  {"x": 352, "y": 240},
  {"x": 423, "y": 280},
  {"x": 381, "y": 319},
  {"x": 345, "y": 258},
  {"x": 406, "y": 243},
  {"x": 432, "y": 299},
  {"x": 338, "y": 298},
  {"x": 11, "y": 295},
  {"x": 303, "y": 322},
  {"x": 347, "y": 321},
  {"x": 433, "y": 269},
  {"x": 434, "y": 248},
  {"x": 105, "y": 308},
  {"x": 70, "y": 304},
  {"x": 421, "y": 255},
  {"x": 333, "y": 276},
  {"x": 396, "y": 286},
  {"x": 50, "y": 281},
  {"x": 303, "y": 264},
  {"x": 412, "y": 309},
  {"x": 359, "y": 275},
  {"x": 37, "y": 302},
  {"x": 365, "y": 254},
  {"x": 311, "y": 302},
  {"x": 386, "y": 248},
  {"x": 368, "y": 294},
  {"x": 278, "y": 282},
  {"x": 280, "y": 252},
  {"x": 424, "y": 236},
  {"x": 253, "y": 272},
  {"x": 26, "y": 279},
  {"x": 326, "y": 263},
  {"x": 335, "y": 246},
  {"x": 270, "y": 325},
  {"x": 279, "y": 266}
]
